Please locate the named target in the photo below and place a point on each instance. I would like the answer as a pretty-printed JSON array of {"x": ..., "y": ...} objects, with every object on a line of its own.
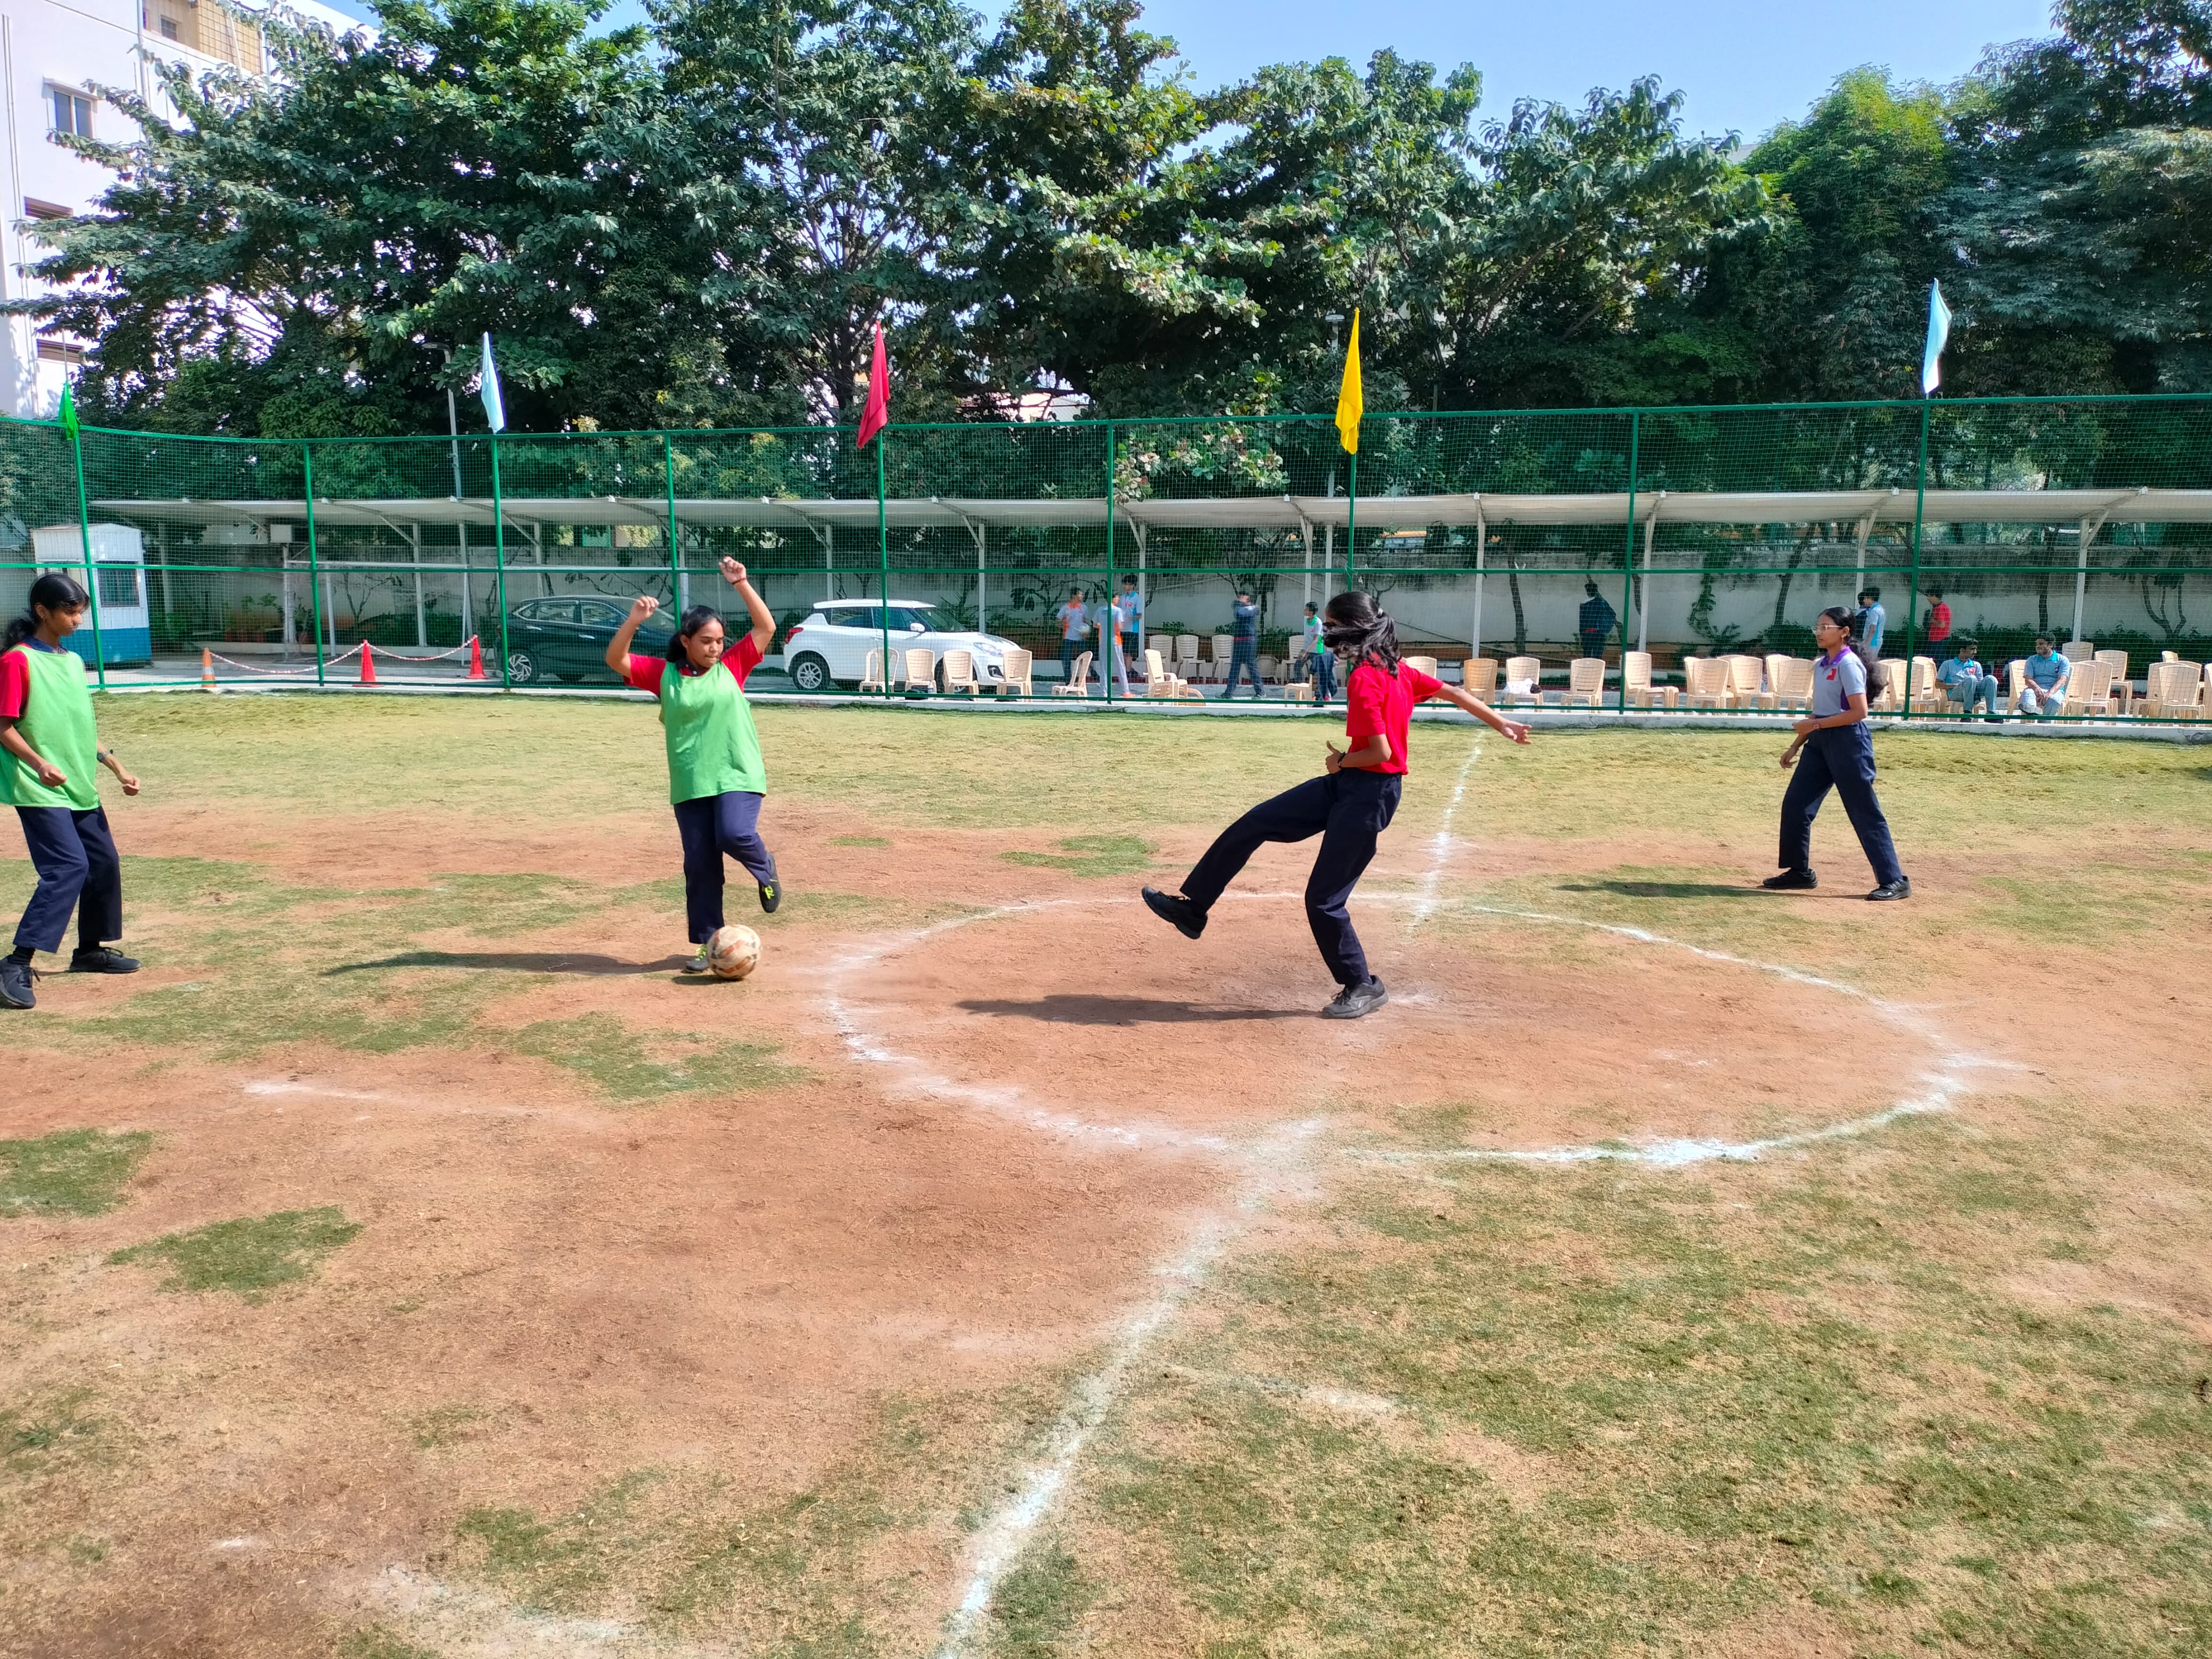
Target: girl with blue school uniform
[
  {"x": 49, "y": 749},
  {"x": 1838, "y": 746},
  {"x": 716, "y": 779},
  {"x": 1349, "y": 806}
]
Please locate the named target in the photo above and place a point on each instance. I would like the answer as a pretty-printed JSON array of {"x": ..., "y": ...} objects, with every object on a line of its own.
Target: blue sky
[{"x": 1745, "y": 64}]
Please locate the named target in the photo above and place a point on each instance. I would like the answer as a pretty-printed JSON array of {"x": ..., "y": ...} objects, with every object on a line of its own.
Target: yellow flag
[{"x": 1350, "y": 404}]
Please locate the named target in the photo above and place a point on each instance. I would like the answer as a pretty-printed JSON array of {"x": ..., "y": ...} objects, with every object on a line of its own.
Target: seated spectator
[
  {"x": 1963, "y": 676},
  {"x": 2044, "y": 690}
]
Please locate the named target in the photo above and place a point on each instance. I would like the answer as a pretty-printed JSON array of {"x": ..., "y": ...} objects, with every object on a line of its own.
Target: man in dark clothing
[
  {"x": 1244, "y": 648},
  {"x": 1596, "y": 623}
]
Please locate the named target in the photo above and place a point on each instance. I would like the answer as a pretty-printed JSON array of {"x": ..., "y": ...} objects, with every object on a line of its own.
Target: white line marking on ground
[
  {"x": 469, "y": 1623},
  {"x": 278, "y": 1087},
  {"x": 1273, "y": 1167},
  {"x": 1440, "y": 847}
]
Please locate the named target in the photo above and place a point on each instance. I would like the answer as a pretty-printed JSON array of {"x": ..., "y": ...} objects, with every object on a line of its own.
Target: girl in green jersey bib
[
  {"x": 48, "y": 749},
  {"x": 716, "y": 778}
]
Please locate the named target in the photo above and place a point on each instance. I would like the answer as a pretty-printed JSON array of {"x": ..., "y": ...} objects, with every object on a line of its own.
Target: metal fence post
[
  {"x": 1628, "y": 553},
  {"x": 91, "y": 576},
  {"x": 884, "y": 557},
  {"x": 499, "y": 564},
  {"x": 1108, "y": 645},
  {"x": 314, "y": 562},
  {"x": 675, "y": 554},
  {"x": 1912, "y": 587}
]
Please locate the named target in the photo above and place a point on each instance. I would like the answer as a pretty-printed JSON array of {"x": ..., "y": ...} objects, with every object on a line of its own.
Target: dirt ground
[{"x": 1007, "y": 1094}]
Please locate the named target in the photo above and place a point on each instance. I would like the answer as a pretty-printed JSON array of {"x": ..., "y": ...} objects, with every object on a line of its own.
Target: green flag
[{"x": 69, "y": 410}]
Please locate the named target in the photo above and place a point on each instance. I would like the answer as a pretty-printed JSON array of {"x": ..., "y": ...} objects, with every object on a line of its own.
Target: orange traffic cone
[
  {"x": 476, "y": 657},
  {"x": 207, "y": 669},
  {"x": 367, "y": 664}
]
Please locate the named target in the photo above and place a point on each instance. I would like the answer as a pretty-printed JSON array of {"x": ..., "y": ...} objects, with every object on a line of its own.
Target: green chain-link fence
[{"x": 1656, "y": 543}]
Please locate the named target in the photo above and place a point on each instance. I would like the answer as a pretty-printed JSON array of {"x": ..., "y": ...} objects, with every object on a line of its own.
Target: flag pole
[
  {"x": 1351, "y": 524},
  {"x": 884, "y": 557}
]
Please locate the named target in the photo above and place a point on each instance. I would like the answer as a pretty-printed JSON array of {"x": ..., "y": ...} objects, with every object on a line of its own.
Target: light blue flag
[
  {"x": 488, "y": 389},
  {"x": 1939, "y": 332}
]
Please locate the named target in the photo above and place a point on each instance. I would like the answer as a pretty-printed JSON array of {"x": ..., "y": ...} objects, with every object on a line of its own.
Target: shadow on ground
[
  {"x": 517, "y": 962},
  {"x": 1662, "y": 889},
  {"x": 1066, "y": 1008}
]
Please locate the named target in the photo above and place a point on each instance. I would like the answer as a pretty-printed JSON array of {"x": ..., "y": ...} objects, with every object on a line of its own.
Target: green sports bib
[
  {"x": 712, "y": 746},
  {"x": 58, "y": 723}
]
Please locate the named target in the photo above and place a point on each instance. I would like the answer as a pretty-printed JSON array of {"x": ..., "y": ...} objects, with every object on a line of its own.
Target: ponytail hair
[
  {"x": 54, "y": 591},
  {"x": 690, "y": 622},
  {"x": 1877, "y": 676},
  {"x": 1355, "y": 624}
]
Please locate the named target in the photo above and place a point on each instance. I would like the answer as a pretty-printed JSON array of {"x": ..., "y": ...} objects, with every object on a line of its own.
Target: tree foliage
[{"x": 699, "y": 221}]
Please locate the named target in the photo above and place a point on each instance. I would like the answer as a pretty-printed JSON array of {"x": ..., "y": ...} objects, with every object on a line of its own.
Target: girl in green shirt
[
  {"x": 48, "y": 749},
  {"x": 715, "y": 777}
]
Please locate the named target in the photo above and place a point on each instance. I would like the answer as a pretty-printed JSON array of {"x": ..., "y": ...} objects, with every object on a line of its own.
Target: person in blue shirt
[
  {"x": 1594, "y": 621},
  {"x": 1838, "y": 750},
  {"x": 1244, "y": 648},
  {"x": 1968, "y": 683},
  {"x": 1132, "y": 607},
  {"x": 2043, "y": 692},
  {"x": 1319, "y": 657},
  {"x": 1866, "y": 626}
]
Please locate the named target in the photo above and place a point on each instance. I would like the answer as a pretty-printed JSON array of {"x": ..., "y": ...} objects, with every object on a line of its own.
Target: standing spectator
[
  {"x": 1132, "y": 607},
  {"x": 2043, "y": 691},
  {"x": 1870, "y": 619},
  {"x": 1074, "y": 623},
  {"x": 1113, "y": 620},
  {"x": 1938, "y": 627},
  {"x": 1595, "y": 624},
  {"x": 1965, "y": 680},
  {"x": 1320, "y": 661},
  {"x": 1244, "y": 649}
]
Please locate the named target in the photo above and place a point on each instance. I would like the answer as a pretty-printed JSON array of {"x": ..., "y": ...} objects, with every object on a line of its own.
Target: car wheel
[
  {"x": 809, "y": 673},
  {"x": 522, "y": 668}
]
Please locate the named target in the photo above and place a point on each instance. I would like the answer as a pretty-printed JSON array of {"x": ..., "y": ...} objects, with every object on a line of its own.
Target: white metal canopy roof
[{"x": 1280, "y": 513}]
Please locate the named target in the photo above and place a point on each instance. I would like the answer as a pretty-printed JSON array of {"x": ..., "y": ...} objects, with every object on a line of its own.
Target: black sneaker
[
  {"x": 15, "y": 984},
  {"x": 102, "y": 959},
  {"x": 1189, "y": 920},
  {"x": 771, "y": 890},
  {"x": 1901, "y": 888},
  {"x": 1355, "y": 1001},
  {"x": 1789, "y": 880}
]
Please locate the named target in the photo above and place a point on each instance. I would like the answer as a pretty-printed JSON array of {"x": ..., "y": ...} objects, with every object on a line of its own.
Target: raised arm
[
  {"x": 1483, "y": 712},
  {"x": 618, "y": 647},
  {"x": 763, "y": 619}
]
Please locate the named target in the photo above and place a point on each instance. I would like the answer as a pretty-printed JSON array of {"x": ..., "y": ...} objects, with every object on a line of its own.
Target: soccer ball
[{"x": 733, "y": 952}]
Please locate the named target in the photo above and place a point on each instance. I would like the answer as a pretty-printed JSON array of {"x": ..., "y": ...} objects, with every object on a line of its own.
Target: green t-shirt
[
  {"x": 708, "y": 725},
  {"x": 56, "y": 721}
]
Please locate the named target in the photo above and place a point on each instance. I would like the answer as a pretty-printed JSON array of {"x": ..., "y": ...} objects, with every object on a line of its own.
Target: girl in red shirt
[{"x": 1348, "y": 806}]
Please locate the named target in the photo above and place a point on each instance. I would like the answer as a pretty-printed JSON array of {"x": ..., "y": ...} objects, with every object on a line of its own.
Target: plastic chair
[
  {"x": 872, "y": 676},
  {"x": 2123, "y": 692},
  {"x": 1748, "y": 682},
  {"x": 1586, "y": 683},
  {"x": 960, "y": 672},
  {"x": 920, "y": 668},
  {"x": 2077, "y": 651},
  {"x": 1020, "y": 667},
  {"x": 1079, "y": 678},
  {"x": 1479, "y": 676},
  {"x": 1425, "y": 665},
  {"x": 1519, "y": 671},
  {"x": 2089, "y": 688},
  {"x": 1636, "y": 677},
  {"x": 1705, "y": 683},
  {"x": 1791, "y": 678}
]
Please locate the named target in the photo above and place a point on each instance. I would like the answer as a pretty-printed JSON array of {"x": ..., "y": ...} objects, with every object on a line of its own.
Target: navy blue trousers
[
  {"x": 1840, "y": 758},
  {"x": 711, "y": 826},
  {"x": 75, "y": 856},
  {"x": 1349, "y": 811},
  {"x": 1243, "y": 658}
]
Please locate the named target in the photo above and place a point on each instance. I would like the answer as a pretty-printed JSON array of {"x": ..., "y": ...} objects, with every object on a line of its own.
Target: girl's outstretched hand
[
  {"x": 643, "y": 607},
  {"x": 1790, "y": 755},
  {"x": 1517, "y": 730},
  {"x": 732, "y": 572}
]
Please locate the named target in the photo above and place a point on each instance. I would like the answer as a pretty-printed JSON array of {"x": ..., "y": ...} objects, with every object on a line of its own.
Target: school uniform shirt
[
  {"x": 44, "y": 691},
  {"x": 1313, "y": 634},
  {"x": 708, "y": 725},
  {"x": 1874, "y": 619},
  {"x": 1377, "y": 704},
  {"x": 1954, "y": 669},
  {"x": 1133, "y": 611},
  {"x": 2048, "y": 671},
  {"x": 1074, "y": 620},
  {"x": 1836, "y": 681}
]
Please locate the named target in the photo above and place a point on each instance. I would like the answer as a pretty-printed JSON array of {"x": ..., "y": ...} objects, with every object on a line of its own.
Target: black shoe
[
  {"x": 1789, "y": 880},
  {"x": 101, "y": 959},
  {"x": 771, "y": 890},
  {"x": 15, "y": 984},
  {"x": 1901, "y": 888},
  {"x": 1354, "y": 1001},
  {"x": 1189, "y": 920}
]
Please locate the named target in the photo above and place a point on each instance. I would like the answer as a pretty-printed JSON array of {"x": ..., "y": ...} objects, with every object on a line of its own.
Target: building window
[
  {"x": 169, "y": 29},
  {"x": 52, "y": 351},
  {"x": 118, "y": 585},
  {"x": 72, "y": 112},
  {"x": 34, "y": 209}
]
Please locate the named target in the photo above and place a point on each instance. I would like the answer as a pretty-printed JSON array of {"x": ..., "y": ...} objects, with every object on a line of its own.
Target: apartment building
[{"x": 59, "y": 59}]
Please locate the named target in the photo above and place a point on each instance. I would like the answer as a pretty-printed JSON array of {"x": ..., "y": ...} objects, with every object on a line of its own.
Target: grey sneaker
[
  {"x": 698, "y": 964},
  {"x": 102, "y": 959},
  {"x": 1357, "y": 1001},
  {"x": 1189, "y": 920},
  {"x": 15, "y": 984}
]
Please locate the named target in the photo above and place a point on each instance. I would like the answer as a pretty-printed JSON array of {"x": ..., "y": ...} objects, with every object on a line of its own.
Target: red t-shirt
[
  {"x": 1382, "y": 705},
  {"x": 740, "y": 660},
  {"x": 14, "y": 685},
  {"x": 1939, "y": 624}
]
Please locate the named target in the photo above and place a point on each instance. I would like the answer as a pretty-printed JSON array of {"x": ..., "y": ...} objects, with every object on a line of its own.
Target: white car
[{"x": 830, "y": 647}]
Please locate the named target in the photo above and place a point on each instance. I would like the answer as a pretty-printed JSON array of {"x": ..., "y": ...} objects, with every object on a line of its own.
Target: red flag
[{"x": 877, "y": 414}]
